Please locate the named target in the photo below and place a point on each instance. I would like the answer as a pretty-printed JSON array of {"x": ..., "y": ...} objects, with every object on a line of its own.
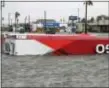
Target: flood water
[{"x": 55, "y": 71}]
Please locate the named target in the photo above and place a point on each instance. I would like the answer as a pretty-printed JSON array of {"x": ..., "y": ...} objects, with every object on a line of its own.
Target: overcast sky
[{"x": 55, "y": 10}]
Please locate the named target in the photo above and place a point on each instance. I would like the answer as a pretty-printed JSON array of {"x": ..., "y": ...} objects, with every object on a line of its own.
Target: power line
[{"x": 55, "y": 1}]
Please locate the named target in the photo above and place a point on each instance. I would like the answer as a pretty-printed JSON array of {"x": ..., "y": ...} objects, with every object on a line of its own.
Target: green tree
[
  {"x": 92, "y": 19},
  {"x": 83, "y": 20},
  {"x": 17, "y": 14},
  {"x": 86, "y": 7}
]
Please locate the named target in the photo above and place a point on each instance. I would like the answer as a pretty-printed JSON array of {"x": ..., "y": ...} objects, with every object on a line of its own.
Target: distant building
[
  {"x": 101, "y": 25},
  {"x": 41, "y": 23},
  {"x": 4, "y": 27},
  {"x": 43, "y": 20}
]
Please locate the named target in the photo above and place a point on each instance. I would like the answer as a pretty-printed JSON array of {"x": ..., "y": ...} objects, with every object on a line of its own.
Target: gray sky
[{"x": 55, "y": 10}]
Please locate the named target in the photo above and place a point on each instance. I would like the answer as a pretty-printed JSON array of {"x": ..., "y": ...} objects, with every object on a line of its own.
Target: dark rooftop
[{"x": 43, "y": 20}]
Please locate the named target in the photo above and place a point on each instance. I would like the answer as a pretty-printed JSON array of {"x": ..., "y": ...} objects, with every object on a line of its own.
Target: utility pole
[
  {"x": 25, "y": 22},
  {"x": 78, "y": 14},
  {"x": 108, "y": 16},
  {"x": 15, "y": 23},
  {"x": 25, "y": 19},
  {"x": 29, "y": 23},
  {"x": 29, "y": 19},
  {"x": 3, "y": 3},
  {"x": 45, "y": 21},
  {"x": 2, "y": 18},
  {"x": 85, "y": 17},
  {"x": 9, "y": 19}
]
